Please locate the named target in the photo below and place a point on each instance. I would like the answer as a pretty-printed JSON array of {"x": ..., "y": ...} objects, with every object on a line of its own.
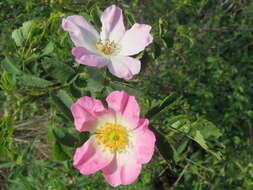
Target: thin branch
[
  {"x": 181, "y": 175},
  {"x": 199, "y": 165},
  {"x": 30, "y": 122},
  {"x": 224, "y": 29},
  {"x": 162, "y": 172}
]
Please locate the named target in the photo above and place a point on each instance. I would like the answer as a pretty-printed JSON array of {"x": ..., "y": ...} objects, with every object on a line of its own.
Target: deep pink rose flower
[
  {"x": 112, "y": 47},
  {"x": 120, "y": 142}
]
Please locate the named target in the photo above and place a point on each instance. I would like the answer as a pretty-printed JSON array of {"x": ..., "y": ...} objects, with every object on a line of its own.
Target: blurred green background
[{"x": 196, "y": 86}]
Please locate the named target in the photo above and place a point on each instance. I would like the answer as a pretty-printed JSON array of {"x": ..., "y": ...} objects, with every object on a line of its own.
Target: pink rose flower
[
  {"x": 112, "y": 47},
  {"x": 120, "y": 142}
]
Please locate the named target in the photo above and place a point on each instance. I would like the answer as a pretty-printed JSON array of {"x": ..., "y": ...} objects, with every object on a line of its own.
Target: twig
[
  {"x": 199, "y": 165},
  {"x": 223, "y": 29},
  {"x": 21, "y": 140},
  {"x": 161, "y": 173},
  {"x": 181, "y": 175},
  {"x": 30, "y": 122},
  {"x": 250, "y": 132},
  {"x": 176, "y": 130},
  {"x": 179, "y": 54},
  {"x": 38, "y": 147}
]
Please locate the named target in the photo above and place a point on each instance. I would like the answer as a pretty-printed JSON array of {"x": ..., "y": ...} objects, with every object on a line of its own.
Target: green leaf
[
  {"x": 212, "y": 59},
  {"x": 17, "y": 37},
  {"x": 65, "y": 138},
  {"x": 130, "y": 17},
  {"x": 177, "y": 153},
  {"x": 10, "y": 66},
  {"x": 6, "y": 164},
  {"x": 61, "y": 106},
  {"x": 114, "y": 85},
  {"x": 32, "y": 58},
  {"x": 94, "y": 86},
  {"x": 86, "y": 15},
  {"x": 22, "y": 34},
  {"x": 157, "y": 50},
  {"x": 48, "y": 49},
  {"x": 181, "y": 123},
  {"x": 75, "y": 92},
  {"x": 195, "y": 131},
  {"x": 58, "y": 70},
  {"x": 65, "y": 98},
  {"x": 175, "y": 120},
  {"x": 207, "y": 128},
  {"x": 8, "y": 82},
  {"x": 34, "y": 81},
  {"x": 83, "y": 137},
  {"x": 96, "y": 80},
  {"x": 167, "y": 103},
  {"x": 182, "y": 147},
  {"x": 95, "y": 13},
  {"x": 200, "y": 140},
  {"x": 163, "y": 145},
  {"x": 59, "y": 153}
]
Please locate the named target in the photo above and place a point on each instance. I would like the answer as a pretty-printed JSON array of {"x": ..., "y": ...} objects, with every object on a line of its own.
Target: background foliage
[{"x": 196, "y": 86}]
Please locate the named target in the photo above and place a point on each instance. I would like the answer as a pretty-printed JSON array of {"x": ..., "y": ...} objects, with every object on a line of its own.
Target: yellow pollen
[
  {"x": 114, "y": 137},
  {"x": 106, "y": 48}
]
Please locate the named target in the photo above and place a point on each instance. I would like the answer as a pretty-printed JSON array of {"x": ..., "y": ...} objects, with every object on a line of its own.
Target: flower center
[
  {"x": 113, "y": 136},
  {"x": 106, "y": 47}
]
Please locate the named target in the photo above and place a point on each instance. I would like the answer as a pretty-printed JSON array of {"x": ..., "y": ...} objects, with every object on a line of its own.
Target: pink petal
[
  {"x": 144, "y": 142},
  {"x": 124, "y": 67},
  {"x": 82, "y": 33},
  {"x": 135, "y": 39},
  {"x": 90, "y": 157},
  {"x": 85, "y": 57},
  {"x": 121, "y": 171},
  {"x": 126, "y": 106},
  {"x": 126, "y": 166},
  {"x": 112, "y": 24},
  {"x": 85, "y": 111}
]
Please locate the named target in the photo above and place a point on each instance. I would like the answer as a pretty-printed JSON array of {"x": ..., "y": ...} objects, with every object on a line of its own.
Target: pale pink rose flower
[
  {"x": 120, "y": 140},
  {"x": 113, "y": 46}
]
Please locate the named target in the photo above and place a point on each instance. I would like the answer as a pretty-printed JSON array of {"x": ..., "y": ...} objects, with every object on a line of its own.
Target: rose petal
[
  {"x": 126, "y": 166},
  {"x": 85, "y": 111},
  {"x": 124, "y": 67},
  {"x": 112, "y": 24},
  {"x": 121, "y": 171},
  {"x": 144, "y": 142},
  {"x": 82, "y": 33},
  {"x": 135, "y": 39},
  {"x": 90, "y": 157},
  {"x": 126, "y": 106},
  {"x": 85, "y": 57}
]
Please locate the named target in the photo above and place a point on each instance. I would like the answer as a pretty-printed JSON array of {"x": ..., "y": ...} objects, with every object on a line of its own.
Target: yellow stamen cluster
[
  {"x": 114, "y": 137},
  {"x": 106, "y": 47}
]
